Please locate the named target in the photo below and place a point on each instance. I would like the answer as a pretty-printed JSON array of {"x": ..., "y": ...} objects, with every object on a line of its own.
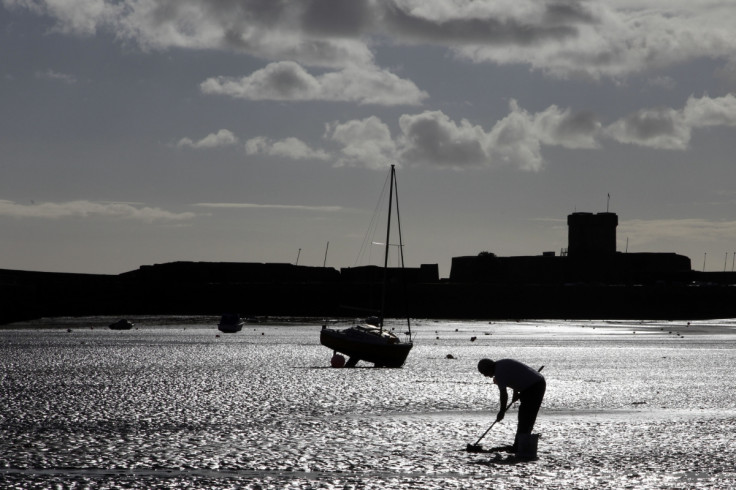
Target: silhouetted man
[{"x": 528, "y": 386}]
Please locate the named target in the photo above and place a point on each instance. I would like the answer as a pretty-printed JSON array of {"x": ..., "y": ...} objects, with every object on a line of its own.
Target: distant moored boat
[
  {"x": 230, "y": 323},
  {"x": 122, "y": 324}
]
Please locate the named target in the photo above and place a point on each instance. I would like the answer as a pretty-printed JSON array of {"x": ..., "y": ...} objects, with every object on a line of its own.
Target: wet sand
[{"x": 172, "y": 405}]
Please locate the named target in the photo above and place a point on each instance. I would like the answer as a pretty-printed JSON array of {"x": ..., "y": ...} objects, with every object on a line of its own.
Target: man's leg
[{"x": 531, "y": 401}]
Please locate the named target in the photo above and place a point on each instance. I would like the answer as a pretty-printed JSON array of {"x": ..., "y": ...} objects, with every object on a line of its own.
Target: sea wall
[{"x": 27, "y": 295}]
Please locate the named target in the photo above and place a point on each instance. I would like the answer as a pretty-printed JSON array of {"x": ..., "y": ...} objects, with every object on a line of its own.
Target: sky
[{"x": 136, "y": 132}]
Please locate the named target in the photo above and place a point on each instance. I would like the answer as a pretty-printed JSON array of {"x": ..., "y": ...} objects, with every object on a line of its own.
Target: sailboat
[{"x": 370, "y": 341}]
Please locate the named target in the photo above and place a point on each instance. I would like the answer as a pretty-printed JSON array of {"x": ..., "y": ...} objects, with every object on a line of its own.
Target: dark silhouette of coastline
[{"x": 589, "y": 279}]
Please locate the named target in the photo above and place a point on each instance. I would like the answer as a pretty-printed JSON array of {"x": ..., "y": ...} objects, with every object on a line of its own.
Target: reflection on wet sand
[{"x": 171, "y": 405}]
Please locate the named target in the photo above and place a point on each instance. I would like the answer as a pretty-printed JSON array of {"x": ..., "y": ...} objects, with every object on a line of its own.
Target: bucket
[{"x": 527, "y": 448}]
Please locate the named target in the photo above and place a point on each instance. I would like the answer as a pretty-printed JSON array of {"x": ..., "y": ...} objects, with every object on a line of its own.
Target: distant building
[
  {"x": 591, "y": 258},
  {"x": 591, "y": 234}
]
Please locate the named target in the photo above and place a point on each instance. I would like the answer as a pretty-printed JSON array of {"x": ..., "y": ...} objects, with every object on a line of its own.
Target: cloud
[
  {"x": 77, "y": 17},
  {"x": 562, "y": 127},
  {"x": 213, "y": 140},
  {"x": 364, "y": 143},
  {"x": 57, "y": 76},
  {"x": 617, "y": 40},
  {"x": 288, "y": 81},
  {"x": 89, "y": 209},
  {"x": 564, "y": 38},
  {"x": 484, "y": 23},
  {"x": 292, "y": 148},
  {"x": 263, "y": 28},
  {"x": 243, "y": 205},
  {"x": 432, "y": 137},
  {"x": 707, "y": 112},
  {"x": 515, "y": 140},
  {"x": 661, "y": 128},
  {"x": 324, "y": 33},
  {"x": 671, "y": 129}
]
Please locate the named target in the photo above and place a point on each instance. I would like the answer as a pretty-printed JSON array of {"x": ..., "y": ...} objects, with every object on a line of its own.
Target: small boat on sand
[
  {"x": 122, "y": 324},
  {"x": 230, "y": 323}
]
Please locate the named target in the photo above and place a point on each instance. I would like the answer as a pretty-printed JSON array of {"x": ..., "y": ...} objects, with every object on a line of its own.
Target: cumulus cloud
[
  {"x": 223, "y": 137},
  {"x": 89, "y": 209},
  {"x": 575, "y": 130},
  {"x": 291, "y": 148},
  {"x": 706, "y": 111},
  {"x": 661, "y": 128},
  {"x": 671, "y": 129},
  {"x": 595, "y": 38},
  {"x": 364, "y": 143},
  {"x": 287, "y": 80},
  {"x": 432, "y": 137},
  {"x": 516, "y": 140}
]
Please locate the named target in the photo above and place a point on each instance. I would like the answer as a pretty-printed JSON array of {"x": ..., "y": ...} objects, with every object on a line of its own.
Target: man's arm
[{"x": 504, "y": 400}]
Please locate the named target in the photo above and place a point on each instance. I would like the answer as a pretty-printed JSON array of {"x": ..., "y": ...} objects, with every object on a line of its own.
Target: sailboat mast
[
  {"x": 401, "y": 257},
  {"x": 387, "y": 246}
]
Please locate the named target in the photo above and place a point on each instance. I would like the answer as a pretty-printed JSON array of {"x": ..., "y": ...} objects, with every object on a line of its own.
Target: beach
[{"x": 174, "y": 403}]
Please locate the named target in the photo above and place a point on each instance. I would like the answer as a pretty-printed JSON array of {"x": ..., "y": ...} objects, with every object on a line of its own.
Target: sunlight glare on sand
[{"x": 172, "y": 404}]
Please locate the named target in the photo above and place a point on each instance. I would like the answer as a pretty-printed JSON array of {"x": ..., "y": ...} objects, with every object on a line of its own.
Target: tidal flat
[{"x": 174, "y": 403}]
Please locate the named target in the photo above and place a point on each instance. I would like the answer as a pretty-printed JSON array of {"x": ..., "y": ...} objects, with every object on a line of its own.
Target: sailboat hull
[{"x": 363, "y": 344}]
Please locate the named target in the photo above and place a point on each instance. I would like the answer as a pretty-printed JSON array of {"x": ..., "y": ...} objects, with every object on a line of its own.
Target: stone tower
[{"x": 591, "y": 234}]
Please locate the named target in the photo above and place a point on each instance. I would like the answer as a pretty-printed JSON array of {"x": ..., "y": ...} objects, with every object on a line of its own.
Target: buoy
[{"x": 337, "y": 361}]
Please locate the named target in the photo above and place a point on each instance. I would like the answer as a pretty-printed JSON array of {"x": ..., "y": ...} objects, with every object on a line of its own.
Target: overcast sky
[{"x": 135, "y": 132}]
